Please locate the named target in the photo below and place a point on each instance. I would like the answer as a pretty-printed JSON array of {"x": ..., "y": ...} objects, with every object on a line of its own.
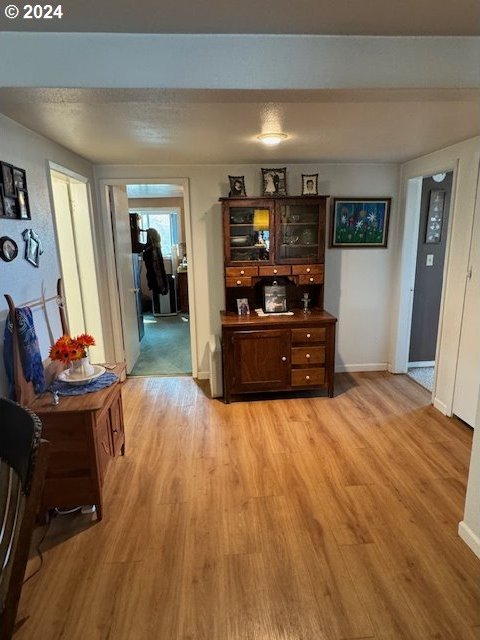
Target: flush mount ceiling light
[
  {"x": 439, "y": 177},
  {"x": 272, "y": 139}
]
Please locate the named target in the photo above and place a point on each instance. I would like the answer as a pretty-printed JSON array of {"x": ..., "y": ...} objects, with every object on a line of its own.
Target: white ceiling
[
  {"x": 154, "y": 191},
  {"x": 158, "y": 126},
  {"x": 111, "y": 126},
  {"x": 342, "y": 17}
]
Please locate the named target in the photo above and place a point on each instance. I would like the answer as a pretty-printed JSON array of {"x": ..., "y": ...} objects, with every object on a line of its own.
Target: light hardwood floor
[{"x": 286, "y": 519}]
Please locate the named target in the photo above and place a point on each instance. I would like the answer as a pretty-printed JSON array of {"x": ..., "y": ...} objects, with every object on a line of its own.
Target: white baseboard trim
[
  {"x": 203, "y": 375},
  {"x": 421, "y": 363},
  {"x": 469, "y": 537},
  {"x": 441, "y": 406},
  {"x": 354, "y": 368}
]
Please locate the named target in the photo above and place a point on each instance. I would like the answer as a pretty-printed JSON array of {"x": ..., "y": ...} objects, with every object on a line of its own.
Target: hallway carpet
[
  {"x": 423, "y": 375},
  {"x": 165, "y": 348}
]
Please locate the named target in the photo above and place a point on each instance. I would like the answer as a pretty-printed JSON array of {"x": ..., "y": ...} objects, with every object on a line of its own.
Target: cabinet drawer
[
  {"x": 238, "y": 282},
  {"x": 300, "y": 336},
  {"x": 237, "y": 272},
  {"x": 283, "y": 270},
  {"x": 299, "y": 269},
  {"x": 316, "y": 278},
  {"x": 308, "y": 355},
  {"x": 306, "y": 377}
]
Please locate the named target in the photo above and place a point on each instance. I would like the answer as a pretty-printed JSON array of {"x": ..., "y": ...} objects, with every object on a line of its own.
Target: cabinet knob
[
  {"x": 308, "y": 269},
  {"x": 309, "y": 335},
  {"x": 242, "y": 272},
  {"x": 239, "y": 282},
  {"x": 307, "y": 377},
  {"x": 311, "y": 279},
  {"x": 284, "y": 358},
  {"x": 307, "y": 356},
  {"x": 275, "y": 271}
]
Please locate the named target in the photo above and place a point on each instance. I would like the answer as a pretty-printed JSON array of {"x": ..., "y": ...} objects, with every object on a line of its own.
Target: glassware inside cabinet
[
  {"x": 249, "y": 234},
  {"x": 299, "y": 232}
]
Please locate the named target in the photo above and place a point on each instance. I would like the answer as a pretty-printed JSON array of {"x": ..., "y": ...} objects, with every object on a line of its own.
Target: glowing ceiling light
[{"x": 272, "y": 139}]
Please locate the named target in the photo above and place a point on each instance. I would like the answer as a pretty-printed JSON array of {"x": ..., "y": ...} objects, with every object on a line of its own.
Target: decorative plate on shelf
[{"x": 65, "y": 376}]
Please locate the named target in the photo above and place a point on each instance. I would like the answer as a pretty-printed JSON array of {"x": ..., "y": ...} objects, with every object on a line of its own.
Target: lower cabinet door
[
  {"x": 261, "y": 360},
  {"x": 102, "y": 445}
]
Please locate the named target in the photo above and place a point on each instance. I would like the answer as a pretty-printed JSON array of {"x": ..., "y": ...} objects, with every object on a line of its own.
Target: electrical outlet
[{"x": 429, "y": 261}]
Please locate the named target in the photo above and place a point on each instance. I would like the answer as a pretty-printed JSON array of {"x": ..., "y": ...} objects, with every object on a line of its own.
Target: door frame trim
[
  {"x": 412, "y": 189},
  {"x": 111, "y": 267}
]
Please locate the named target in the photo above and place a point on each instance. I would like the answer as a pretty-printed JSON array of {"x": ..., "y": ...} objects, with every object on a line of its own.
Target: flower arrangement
[{"x": 67, "y": 349}]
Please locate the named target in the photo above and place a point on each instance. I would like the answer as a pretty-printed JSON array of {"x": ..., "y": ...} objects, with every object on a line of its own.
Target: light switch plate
[{"x": 429, "y": 262}]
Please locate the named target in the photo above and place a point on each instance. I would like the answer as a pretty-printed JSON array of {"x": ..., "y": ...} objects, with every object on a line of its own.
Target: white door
[
  {"x": 467, "y": 382},
  {"x": 123, "y": 257}
]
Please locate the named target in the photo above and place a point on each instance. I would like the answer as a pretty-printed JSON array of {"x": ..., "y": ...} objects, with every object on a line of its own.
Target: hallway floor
[
  {"x": 423, "y": 375},
  {"x": 165, "y": 348}
]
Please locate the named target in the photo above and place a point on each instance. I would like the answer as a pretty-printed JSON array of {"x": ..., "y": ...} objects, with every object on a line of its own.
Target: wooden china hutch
[{"x": 276, "y": 241}]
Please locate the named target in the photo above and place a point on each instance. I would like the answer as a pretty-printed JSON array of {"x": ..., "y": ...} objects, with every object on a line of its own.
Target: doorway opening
[
  {"x": 428, "y": 284},
  {"x": 73, "y": 223},
  {"x": 155, "y": 215}
]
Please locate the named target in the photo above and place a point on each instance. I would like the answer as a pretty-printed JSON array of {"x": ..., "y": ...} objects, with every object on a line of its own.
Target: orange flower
[
  {"x": 85, "y": 340},
  {"x": 67, "y": 349}
]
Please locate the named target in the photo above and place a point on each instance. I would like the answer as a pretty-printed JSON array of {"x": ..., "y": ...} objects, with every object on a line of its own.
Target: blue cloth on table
[
  {"x": 68, "y": 389},
  {"x": 30, "y": 357}
]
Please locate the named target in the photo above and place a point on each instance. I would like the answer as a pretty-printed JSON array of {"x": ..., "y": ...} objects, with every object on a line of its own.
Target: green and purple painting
[{"x": 360, "y": 222}]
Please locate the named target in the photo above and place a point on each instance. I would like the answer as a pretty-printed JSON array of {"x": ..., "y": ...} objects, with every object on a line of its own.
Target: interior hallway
[
  {"x": 165, "y": 347},
  {"x": 306, "y": 518}
]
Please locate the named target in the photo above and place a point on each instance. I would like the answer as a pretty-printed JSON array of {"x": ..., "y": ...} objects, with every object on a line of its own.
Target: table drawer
[
  {"x": 316, "y": 334},
  {"x": 316, "y": 278},
  {"x": 238, "y": 282},
  {"x": 306, "y": 377},
  {"x": 312, "y": 269},
  {"x": 308, "y": 355},
  {"x": 238, "y": 272},
  {"x": 283, "y": 270}
]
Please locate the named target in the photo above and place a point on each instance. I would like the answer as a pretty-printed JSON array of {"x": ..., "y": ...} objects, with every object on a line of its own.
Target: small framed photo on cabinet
[
  {"x": 237, "y": 186},
  {"x": 243, "y": 307},
  {"x": 310, "y": 184},
  {"x": 274, "y": 299}
]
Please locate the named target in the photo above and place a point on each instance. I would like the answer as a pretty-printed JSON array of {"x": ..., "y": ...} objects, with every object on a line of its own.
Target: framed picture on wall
[
  {"x": 7, "y": 179},
  {"x": 433, "y": 232},
  {"x": 274, "y": 182},
  {"x": 310, "y": 184},
  {"x": 360, "y": 222}
]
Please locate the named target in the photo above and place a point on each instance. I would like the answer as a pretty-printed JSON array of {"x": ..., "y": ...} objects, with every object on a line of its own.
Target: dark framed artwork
[
  {"x": 237, "y": 186},
  {"x": 10, "y": 207},
  {"x": 7, "y": 179},
  {"x": 23, "y": 205},
  {"x": 19, "y": 178},
  {"x": 8, "y": 249},
  {"x": 274, "y": 182},
  {"x": 360, "y": 222},
  {"x": 310, "y": 184},
  {"x": 33, "y": 247},
  {"x": 433, "y": 232},
  {"x": 274, "y": 298}
]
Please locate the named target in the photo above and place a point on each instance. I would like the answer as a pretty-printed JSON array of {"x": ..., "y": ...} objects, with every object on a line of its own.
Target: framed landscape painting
[{"x": 360, "y": 222}]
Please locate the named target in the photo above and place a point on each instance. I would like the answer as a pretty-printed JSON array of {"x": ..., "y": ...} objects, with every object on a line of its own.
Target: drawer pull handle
[
  {"x": 307, "y": 355},
  {"x": 275, "y": 271},
  {"x": 307, "y": 377},
  {"x": 309, "y": 335},
  {"x": 242, "y": 272},
  {"x": 308, "y": 269},
  {"x": 239, "y": 282},
  {"x": 311, "y": 279},
  {"x": 284, "y": 358}
]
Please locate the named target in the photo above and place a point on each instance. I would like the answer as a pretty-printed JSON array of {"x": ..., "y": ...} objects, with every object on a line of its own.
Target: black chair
[{"x": 23, "y": 457}]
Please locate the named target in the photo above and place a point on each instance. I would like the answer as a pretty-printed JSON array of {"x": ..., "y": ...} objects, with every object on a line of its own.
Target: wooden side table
[{"x": 85, "y": 432}]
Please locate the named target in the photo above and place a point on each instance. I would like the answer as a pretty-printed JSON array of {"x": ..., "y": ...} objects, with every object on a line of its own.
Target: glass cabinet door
[
  {"x": 298, "y": 233},
  {"x": 249, "y": 233}
]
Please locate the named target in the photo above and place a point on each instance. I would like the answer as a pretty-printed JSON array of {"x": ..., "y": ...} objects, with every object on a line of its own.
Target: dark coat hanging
[{"x": 152, "y": 256}]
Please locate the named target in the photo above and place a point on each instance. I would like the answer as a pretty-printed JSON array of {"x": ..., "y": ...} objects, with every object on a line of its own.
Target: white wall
[
  {"x": 20, "y": 279},
  {"x": 358, "y": 281},
  {"x": 464, "y": 158}
]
